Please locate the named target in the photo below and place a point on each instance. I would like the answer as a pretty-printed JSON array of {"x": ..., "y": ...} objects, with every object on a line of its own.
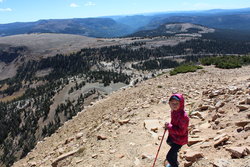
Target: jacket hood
[{"x": 180, "y": 96}]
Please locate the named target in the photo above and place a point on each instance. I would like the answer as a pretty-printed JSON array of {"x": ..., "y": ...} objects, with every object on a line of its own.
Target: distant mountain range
[
  {"x": 118, "y": 26},
  {"x": 93, "y": 27}
]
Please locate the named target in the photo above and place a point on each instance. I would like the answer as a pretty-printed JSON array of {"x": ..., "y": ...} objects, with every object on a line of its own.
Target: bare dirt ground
[{"x": 124, "y": 129}]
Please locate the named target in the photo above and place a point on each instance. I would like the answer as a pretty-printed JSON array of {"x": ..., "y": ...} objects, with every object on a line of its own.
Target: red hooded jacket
[{"x": 178, "y": 128}]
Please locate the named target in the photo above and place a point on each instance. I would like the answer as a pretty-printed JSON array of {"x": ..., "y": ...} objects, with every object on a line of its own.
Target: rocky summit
[{"x": 125, "y": 128}]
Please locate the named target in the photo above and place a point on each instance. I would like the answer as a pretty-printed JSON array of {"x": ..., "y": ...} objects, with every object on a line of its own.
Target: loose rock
[
  {"x": 101, "y": 137},
  {"x": 242, "y": 123},
  {"x": 242, "y": 107},
  {"x": 238, "y": 152},
  {"x": 193, "y": 156},
  {"x": 219, "y": 140}
]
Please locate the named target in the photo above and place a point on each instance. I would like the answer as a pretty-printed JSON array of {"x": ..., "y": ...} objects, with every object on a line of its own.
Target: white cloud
[
  {"x": 198, "y": 6},
  {"x": 73, "y": 5},
  {"x": 203, "y": 6},
  {"x": 5, "y": 9},
  {"x": 90, "y": 4}
]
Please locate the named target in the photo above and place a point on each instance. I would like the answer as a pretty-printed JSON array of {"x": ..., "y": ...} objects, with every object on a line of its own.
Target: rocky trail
[{"x": 125, "y": 128}]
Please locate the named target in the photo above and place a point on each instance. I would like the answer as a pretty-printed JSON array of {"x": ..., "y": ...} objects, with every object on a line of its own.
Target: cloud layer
[
  {"x": 90, "y": 4},
  {"x": 5, "y": 9},
  {"x": 73, "y": 5}
]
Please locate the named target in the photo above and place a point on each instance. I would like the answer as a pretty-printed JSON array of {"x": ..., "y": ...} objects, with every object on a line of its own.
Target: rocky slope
[{"x": 125, "y": 128}]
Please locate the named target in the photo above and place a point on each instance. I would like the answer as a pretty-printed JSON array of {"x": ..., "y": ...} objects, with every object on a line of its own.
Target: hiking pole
[{"x": 159, "y": 147}]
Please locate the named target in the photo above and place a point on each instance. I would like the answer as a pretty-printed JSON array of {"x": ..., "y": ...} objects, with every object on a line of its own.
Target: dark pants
[{"x": 173, "y": 153}]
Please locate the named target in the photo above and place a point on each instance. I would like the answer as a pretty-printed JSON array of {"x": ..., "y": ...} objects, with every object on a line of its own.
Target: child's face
[{"x": 174, "y": 104}]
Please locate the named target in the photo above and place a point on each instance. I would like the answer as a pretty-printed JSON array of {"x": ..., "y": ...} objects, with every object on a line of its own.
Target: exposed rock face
[{"x": 125, "y": 128}]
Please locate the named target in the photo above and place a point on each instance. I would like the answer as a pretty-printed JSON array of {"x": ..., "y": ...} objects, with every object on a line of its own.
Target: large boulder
[
  {"x": 194, "y": 141},
  {"x": 193, "y": 156},
  {"x": 242, "y": 123},
  {"x": 243, "y": 107},
  {"x": 238, "y": 152},
  {"x": 221, "y": 139}
]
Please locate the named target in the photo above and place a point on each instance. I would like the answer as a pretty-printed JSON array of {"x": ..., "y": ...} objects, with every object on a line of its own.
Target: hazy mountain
[
  {"x": 193, "y": 30},
  {"x": 135, "y": 21},
  {"x": 216, "y": 19},
  {"x": 116, "y": 26},
  {"x": 94, "y": 27}
]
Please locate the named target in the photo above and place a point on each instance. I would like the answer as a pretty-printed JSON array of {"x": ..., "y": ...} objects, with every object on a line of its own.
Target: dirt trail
[{"x": 112, "y": 132}]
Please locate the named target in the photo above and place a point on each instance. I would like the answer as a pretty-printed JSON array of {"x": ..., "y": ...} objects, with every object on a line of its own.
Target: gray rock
[
  {"x": 206, "y": 145},
  {"x": 233, "y": 89},
  {"x": 219, "y": 104},
  {"x": 215, "y": 93},
  {"x": 79, "y": 135},
  {"x": 222, "y": 163}
]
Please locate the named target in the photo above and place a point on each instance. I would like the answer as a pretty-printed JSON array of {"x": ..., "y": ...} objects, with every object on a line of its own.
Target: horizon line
[{"x": 124, "y": 15}]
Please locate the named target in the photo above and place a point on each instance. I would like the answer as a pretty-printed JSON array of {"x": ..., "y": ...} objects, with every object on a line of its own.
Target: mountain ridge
[
  {"x": 118, "y": 26},
  {"x": 103, "y": 27}
]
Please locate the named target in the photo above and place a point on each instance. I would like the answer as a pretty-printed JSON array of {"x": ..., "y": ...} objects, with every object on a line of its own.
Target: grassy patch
[
  {"x": 184, "y": 69},
  {"x": 15, "y": 95},
  {"x": 4, "y": 87}
]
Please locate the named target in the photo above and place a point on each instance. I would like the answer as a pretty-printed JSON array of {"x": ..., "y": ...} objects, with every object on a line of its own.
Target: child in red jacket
[{"x": 178, "y": 129}]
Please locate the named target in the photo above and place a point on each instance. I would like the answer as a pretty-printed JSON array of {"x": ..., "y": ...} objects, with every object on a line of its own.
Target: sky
[{"x": 33, "y": 10}]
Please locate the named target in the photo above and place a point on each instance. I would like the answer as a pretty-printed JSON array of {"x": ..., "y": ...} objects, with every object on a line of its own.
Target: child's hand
[{"x": 166, "y": 125}]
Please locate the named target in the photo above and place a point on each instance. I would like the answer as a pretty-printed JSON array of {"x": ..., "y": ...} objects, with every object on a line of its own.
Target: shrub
[
  {"x": 226, "y": 62},
  {"x": 184, "y": 69}
]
